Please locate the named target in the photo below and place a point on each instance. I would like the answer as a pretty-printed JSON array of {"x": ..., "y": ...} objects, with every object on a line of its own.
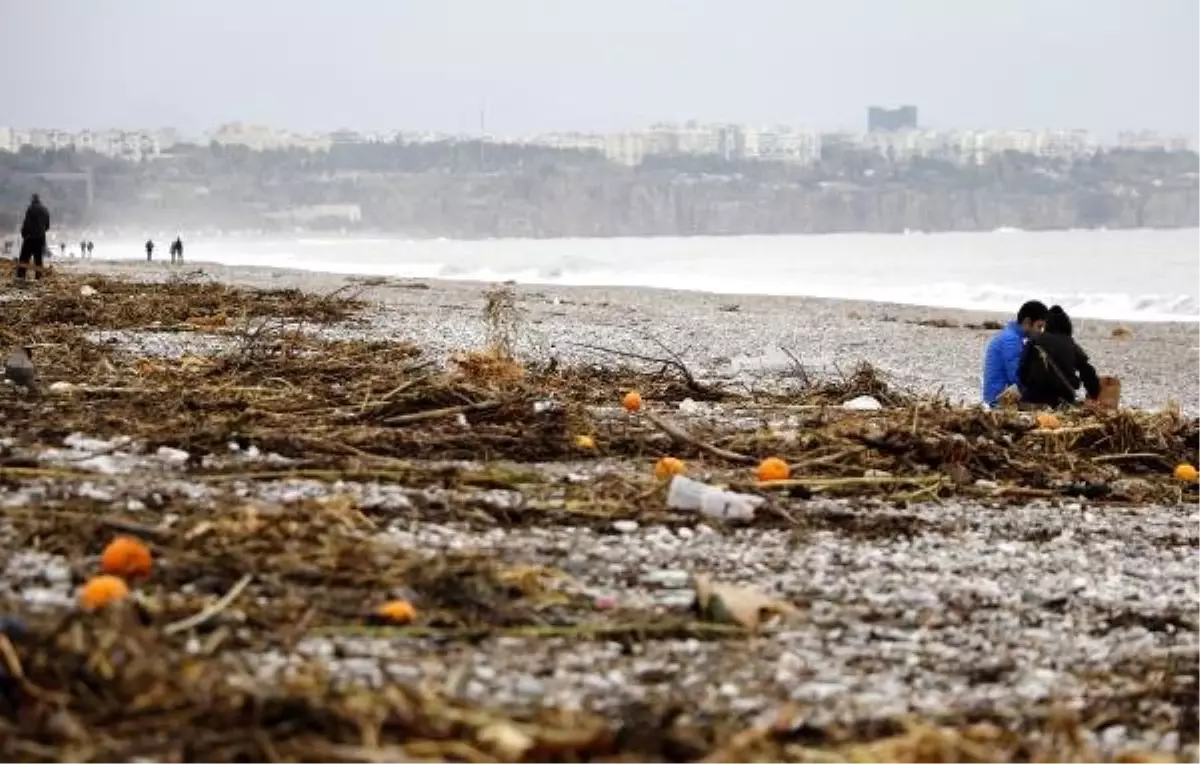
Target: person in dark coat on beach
[
  {"x": 90, "y": 247},
  {"x": 177, "y": 249},
  {"x": 33, "y": 238},
  {"x": 149, "y": 250},
  {"x": 1053, "y": 365}
]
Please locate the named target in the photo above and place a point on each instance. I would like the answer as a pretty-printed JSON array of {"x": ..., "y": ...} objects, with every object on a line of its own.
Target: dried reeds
[{"x": 244, "y": 578}]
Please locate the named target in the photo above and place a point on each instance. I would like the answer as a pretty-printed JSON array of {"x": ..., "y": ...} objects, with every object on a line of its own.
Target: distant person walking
[
  {"x": 149, "y": 250},
  {"x": 82, "y": 248},
  {"x": 62, "y": 248},
  {"x": 177, "y": 250},
  {"x": 91, "y": 246},
  {"x": 33, "y": 238}
]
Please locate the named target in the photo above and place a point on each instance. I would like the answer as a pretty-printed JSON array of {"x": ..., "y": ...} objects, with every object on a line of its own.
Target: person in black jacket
[
  {"x": 1053, "y": 365},
  {"x": 33, "y": 238}
]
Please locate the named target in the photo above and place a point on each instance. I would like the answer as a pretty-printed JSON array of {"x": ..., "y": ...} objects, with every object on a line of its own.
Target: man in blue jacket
[{"x": 1002, "y": 361}]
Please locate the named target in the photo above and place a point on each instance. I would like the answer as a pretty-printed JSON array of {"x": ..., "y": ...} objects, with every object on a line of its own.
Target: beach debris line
[
  {"x": 81, "y": 676},
  {"x": 335, "y": 406},
  {"x": 283, "y": 407}
]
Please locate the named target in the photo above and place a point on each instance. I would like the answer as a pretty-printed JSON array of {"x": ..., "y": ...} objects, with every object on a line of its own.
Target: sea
[{"x": 1126, "y": 275}]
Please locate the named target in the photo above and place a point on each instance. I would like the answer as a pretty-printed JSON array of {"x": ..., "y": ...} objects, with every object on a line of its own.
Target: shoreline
[{"x": 733, "y": 337}]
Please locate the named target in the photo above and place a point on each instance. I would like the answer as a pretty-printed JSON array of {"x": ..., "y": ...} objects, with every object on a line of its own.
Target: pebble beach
[
  {"x": 731, "y": 336},
  {"x": 932, "y": 609}
]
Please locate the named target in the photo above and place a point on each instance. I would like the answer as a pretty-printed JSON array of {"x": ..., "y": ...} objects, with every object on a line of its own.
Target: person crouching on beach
[
  {"x": 1002, "y": 359},
  {"x": 1053, "y": 365}
]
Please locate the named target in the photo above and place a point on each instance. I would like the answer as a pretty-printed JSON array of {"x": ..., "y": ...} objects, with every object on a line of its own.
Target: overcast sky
[{"x": 543, "y": 65}]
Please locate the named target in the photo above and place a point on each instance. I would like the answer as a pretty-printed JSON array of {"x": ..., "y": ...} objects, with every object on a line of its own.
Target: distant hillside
[{"x": 474, "y": 190}]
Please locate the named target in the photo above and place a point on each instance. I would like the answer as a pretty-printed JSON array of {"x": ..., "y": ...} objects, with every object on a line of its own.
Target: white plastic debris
[
  {"x": 172, "y": 455},
  {"x": 61, "y": 387},
  {"x": 726, "y": 505},
  {"x": 862, "y": 403},
  {"x": 88, "y": 291},
  {"x": 689, "y": 406},
  {"x": 625, "y": 526},
  {"x": 687, "y": 494}
]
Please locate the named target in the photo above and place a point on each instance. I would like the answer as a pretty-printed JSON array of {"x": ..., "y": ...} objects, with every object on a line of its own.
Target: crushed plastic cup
[
  {"x": 688, "y": 494},
  {"x": 685, "y": 493},
  {"x": 725, "y": 505}
]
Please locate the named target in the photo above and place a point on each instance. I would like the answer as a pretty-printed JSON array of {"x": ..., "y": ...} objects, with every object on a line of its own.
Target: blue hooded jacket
[{"x": 1002, "y": 361}]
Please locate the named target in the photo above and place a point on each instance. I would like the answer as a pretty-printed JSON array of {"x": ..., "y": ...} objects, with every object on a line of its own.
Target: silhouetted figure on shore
[
  {"x": 177, "y": 250},
  {"x": 62, "y": 248},
  {"x": 82, "y": 248},
  {"x": 33, "y": 238},
  {"x": 149, "y": 250},
  {"x": 90, "y": 247}
]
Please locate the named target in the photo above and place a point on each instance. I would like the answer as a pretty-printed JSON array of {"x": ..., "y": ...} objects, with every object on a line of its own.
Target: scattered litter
[
  {"x": 862, "y": 403},
  {"x": 694, "y": 495},
  {"x": 740, "y": 605}
]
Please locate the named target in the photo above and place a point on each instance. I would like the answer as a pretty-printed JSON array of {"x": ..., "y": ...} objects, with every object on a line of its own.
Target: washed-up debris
[
  {"x": 694, "y": 495},
  {"x": 862, "y": 403},
  {"x": 740, "y": 605},
  {"x": 246, "y": 554}
]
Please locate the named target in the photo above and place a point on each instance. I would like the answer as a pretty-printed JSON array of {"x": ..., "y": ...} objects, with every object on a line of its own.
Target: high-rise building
[{"x": 880, "y": 119}]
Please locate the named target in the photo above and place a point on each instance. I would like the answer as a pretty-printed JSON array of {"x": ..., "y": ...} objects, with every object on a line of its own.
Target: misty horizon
[{"x": 533, "y": 67}]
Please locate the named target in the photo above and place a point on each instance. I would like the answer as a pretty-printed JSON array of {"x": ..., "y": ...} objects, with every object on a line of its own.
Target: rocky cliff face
[{"x": 567, "y": 206}]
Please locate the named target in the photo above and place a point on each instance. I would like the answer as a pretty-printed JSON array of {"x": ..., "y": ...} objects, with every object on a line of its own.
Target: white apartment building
[
  {"x": 1150, "y": 140},
  {"x": 127, "y": 144},
  {"x": 625, "y": 148},
  {"x": 781, "y": 144}
]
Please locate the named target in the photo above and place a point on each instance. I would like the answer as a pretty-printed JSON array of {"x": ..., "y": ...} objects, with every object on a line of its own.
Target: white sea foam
[{"x": 1140, "y": 275}]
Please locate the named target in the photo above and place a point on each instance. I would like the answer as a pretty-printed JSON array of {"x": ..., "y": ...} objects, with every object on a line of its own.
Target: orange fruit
[
  {"x": 101, "y": 591},
  {"x": 1187, "y": 473},
  {"x": 773, "y": 468},
  {"x": 632, "y": 401},
  {"x": 1047, "y": 421},
  {"x": 127, "y": 557},
  {"x": 396, "y": 611},
  {"x": 668, "y": 466}
]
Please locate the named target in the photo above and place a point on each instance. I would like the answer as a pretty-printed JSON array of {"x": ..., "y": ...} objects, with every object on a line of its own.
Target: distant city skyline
[
  {"x": 537, "y": 66},
  {"x": 892, "y": 135}
]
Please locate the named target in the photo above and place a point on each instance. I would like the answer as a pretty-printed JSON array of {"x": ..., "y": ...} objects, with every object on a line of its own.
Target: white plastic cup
[
  {"x": 685, "y": 493},
  {"x": 725, "y": 505}
]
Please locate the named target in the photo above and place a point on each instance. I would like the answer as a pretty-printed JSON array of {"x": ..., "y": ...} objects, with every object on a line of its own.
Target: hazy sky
[{"x": 543, "y": 65}]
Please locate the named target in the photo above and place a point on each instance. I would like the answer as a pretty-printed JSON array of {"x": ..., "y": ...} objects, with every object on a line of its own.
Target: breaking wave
[{"x": 1140, "y": 275}]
